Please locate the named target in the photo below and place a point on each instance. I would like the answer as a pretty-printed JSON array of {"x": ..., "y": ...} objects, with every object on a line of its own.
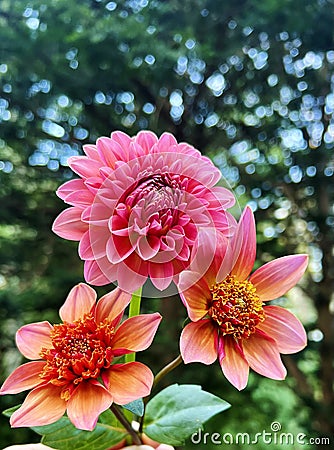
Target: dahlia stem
[
  {"x": 165, "y": 370},
  {"x": 127, "y": 425},
  {"x": 134, "y": 310}
]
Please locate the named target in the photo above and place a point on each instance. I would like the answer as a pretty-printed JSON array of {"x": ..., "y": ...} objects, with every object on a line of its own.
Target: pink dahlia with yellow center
[
  {"x": 138, "y": 206},
  {"x": 76, "y": 367},
  {"x": 230, "y": 319}
]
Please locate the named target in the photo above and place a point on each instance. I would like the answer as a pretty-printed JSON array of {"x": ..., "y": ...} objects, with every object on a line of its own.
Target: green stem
[
  {"x": 134, "y": 310},
  {"x": 164, "y": 371},
  {"x": 123, "y": 420}
]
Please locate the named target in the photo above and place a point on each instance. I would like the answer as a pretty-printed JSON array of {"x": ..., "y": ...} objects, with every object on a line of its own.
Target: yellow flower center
[
  {"x": 235, "y": 307},
  {"x": 80, "y": 350}
]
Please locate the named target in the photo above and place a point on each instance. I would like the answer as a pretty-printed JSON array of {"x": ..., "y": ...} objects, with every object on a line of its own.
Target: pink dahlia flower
[
  {"x": 228, "y": 312},
  {"x": 75, "y": 370},
  {"x": 137, "y": 208}
]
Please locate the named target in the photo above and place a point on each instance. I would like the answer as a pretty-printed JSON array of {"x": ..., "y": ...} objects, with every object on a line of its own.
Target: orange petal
[
  {"x": 244, "y": 243},
  {"x": 111, "y": 305},
  {"x": 263, "y": 356},
  {"x": 30, "y": 339},
  {"x": 79, "y": 302},
  {"x": 195, "y": 293},
  {"x": 233, "y": 364},
  {"x": 86, "y": 403},
  {"x": 198, "y": 342},
  {"x": 128, "y": 382},
  {"x": 42, "y": 406},
  {"x": 278, "y": 276},
  {"x": 285, "y": 328},
  {"x": 135, "y": 334},
  {"x": 23, "y": 378}
]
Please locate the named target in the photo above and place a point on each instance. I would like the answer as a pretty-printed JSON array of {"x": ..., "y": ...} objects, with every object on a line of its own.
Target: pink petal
[
  {"x": 123, "y": 140},
  {"x": 209, "y": 254},
  {"x": 161, "y": 274},
  {"x": 136, "y": 334},
  {"x": 285, "y": 328},
  {"x": 86, "y": 403},
  {"x": 132, "y": 273},
  {"x": 105, "y": 147},
  {"x": 85, "y": 167},
  {"x": 233, "y": 364},
  {"x": 195, "y": 293},
  {"x": 278, "y": 276},
  {"x": 111, "y": 305},
  {"x": 23, "y": 378},
  {"x": 32, "y": 338},
  {"x": 219, "y": 197},
  {"x": 42, "y": 406},
  {"x": 128, "y": 382},
  {"x": 146, "y": 139},
  {"x": 69, "y": 187},
  {"x": 199, "y": 341},
  {"x": 212, "y": 255},
  {"x": 100, "y": 272},
  {"x": 119, "y": 248},
  {"x": 79, "y": 302},
  {"x": 166, "y": 141},
  {"x": 263, "y": 356},
  {"x": 69, "y": 225},
  {"x": 148, "y": 247},
  {"x": 91, "y": 151},
  {"x": 244, "y": 243},
  {"x": 93, "y": 244}
]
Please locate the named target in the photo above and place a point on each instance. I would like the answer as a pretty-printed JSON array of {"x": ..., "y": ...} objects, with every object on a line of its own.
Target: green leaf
[
  {"x": 179, "y": 411},
  {"x": 8, "y": 412},
  {"x": 63, "y": 435},
  {"x": 136, "y": 407}
]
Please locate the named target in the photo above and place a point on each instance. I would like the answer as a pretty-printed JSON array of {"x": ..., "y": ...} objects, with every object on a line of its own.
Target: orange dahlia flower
[
  {"x": 227, "y": 308},
  {"x": 75, "y": 369}
]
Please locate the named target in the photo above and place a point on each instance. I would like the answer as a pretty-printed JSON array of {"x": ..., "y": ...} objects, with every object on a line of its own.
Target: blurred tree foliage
[{"x": 250, "y": 83}]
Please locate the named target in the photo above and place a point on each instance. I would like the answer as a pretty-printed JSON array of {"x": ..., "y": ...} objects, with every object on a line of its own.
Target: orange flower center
[
  {"x": 79, "y": 351},
  {"x": 235, "y": 307}
]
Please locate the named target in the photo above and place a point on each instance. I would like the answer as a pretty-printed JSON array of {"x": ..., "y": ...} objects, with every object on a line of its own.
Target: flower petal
[
  {"x": 195, "y": 294},
  {"x": 79, "y": 302},
  {"x": 85, "y": 167},
  {"x": 278, "y": 276},
  {"x": 135, "y": 334},
  {"x": 146, "y": 139},
  {"x": 100, "y": 272},
  {"x": 209, "y": 254},
  {"x": 198, "y": 342},
  {"x": 42, "y": 406},
  {"x": 285, "y": 328},
  {"x": 128, "y": 382},
  {"x": 23, "y": 377},
  {"x": 86, "y": 403},
  {"x": 111, "y": 305},
  {"x": 30, "y": 339},
  {"x": 263, "y": 356},
  {"x": 244, "y": 245},
  {"x": 69, "y": 225},
  {"x": 233, "y": 364}
]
